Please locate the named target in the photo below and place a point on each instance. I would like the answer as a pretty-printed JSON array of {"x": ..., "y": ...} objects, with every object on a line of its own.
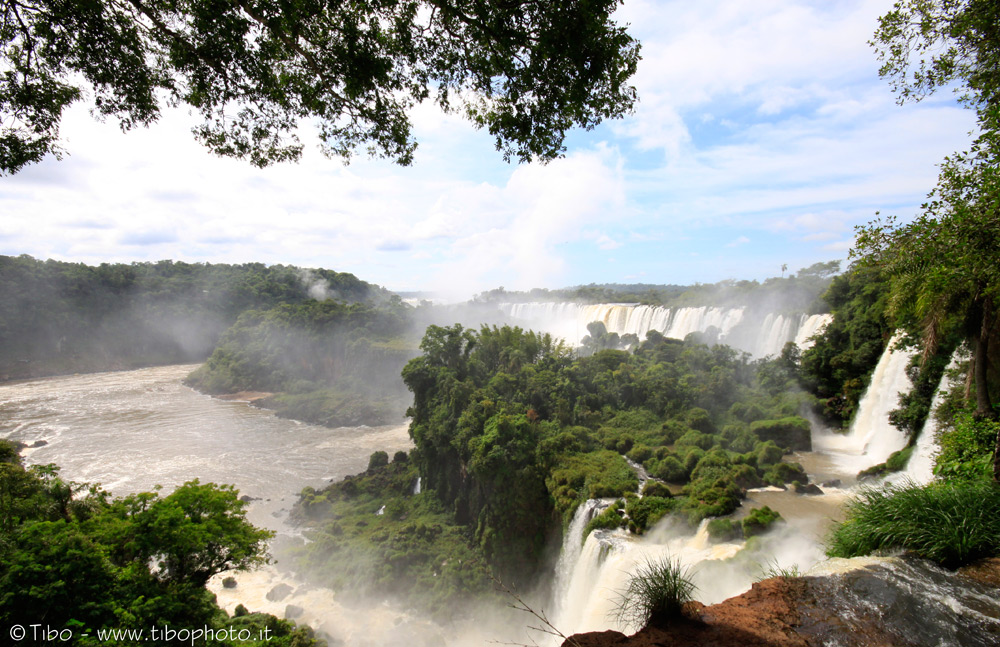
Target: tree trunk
[{"x": 984, "y": 405}]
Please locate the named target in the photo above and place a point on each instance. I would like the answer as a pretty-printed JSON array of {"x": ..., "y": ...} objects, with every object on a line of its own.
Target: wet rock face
[
  {"x": 279, "y": 592},
  {"x": 902, "y": 602},
  {"x": 898, "y": 601}
]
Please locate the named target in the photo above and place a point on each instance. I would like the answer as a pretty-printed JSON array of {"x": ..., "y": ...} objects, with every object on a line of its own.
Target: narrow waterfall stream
[
  {"x": 871, "y": 438},
  {"x": 920, "y": 469}
]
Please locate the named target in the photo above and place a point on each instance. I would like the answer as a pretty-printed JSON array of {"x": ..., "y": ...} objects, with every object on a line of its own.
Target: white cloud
[{"x": 742, "y": 240}]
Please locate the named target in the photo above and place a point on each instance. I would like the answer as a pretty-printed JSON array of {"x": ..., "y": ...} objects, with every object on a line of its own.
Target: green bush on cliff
[
  {"x": 951, "y": 523},
  {"x": 895, "y": 463},
  {"x": 644, "y": 512},
  {"x": 593, "y": 475},
  {"x": 724, "y": 529},
  {"x": 759, "y": 521},
  {"x": 791, "y": 432},
  {"x": 967, "y": 449},
  {"x": 371, "y": 536},
  {"x": 609, "y": 519}
]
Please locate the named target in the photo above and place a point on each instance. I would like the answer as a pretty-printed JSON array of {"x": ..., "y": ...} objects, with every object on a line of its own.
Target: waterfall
[
  {"x": 920, "y": 469},
  {"x": 572, "y": 546},
  {"x": 811, "y": 325},
  {"x": 609, "y": 558},
  {"x": 760, "y": 337},
  {"x": 416, "y": 486},
  {"x": 871, "y": 438}
]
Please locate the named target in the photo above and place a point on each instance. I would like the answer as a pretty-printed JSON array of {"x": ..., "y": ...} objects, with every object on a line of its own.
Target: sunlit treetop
[{"x": 525, "y": 70}]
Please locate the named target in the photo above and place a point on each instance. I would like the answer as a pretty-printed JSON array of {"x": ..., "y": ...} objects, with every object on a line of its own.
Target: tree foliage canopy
[
  {"x": 943, "y": 265},
  {"x": 76, "y": 559},
  {"x": 925, "y": 45},
  {"x": 526, "y": 71}
]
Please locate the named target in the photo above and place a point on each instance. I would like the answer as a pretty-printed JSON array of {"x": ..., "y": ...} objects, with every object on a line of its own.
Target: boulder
[{"x": 279, "y": 592}]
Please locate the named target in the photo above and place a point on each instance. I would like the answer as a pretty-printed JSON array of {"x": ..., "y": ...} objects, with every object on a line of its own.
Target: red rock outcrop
[{"x": 895, "y": 602}]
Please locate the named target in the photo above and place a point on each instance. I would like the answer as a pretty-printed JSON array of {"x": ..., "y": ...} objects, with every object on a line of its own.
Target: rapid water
[
  {"x": 920, "y": 469},
  {"x": 133, "y": 430},
  {"x": 871, "y": 438},
  {"x": 758, "y": 336}
]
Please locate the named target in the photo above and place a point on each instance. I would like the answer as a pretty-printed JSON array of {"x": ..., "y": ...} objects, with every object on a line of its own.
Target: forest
[{"x": 59, "y": 317}]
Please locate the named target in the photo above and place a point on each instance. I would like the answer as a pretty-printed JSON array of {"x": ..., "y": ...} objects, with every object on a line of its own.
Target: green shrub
[
  {"x": 378, "y": 459},
  {"x": 655, "y": 594},
  {"x": 745, "y": 476},
  {"x": 640, "y": 453},
  {"x": 792, "y": 432},
  {"x": 671, "y": 470},
  {"x": 949, "y": 523},
  {"x": 691, "y": 459},
  {"x": 967, "y": 449},
  {"x": 724, "y": 529},
  {"x": 781, "y": 473},
  {"x": 672, "y": 430},
  {"x": 609, "y": 519},
  {"x": 710, "y": 498},
  {"x": 743, "y": 442},
  {"x": 644, "y": 512},
  {"x": 759, "y": 521},
  {"x": 595, "y": 475},
  {"x": 655, "y": 488},
  {"x": 634, "y": 420},
  {"x": 895, "y": 463},
  {"x": 698, "y": 418},
  {"x": 768, "y": 453},
  {"x": 713, "y": 463},
  {"x": 696, "y": 439}
]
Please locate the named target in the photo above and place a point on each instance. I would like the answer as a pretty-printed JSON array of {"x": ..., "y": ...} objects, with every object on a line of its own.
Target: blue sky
[{"x": 763, "y": 135}]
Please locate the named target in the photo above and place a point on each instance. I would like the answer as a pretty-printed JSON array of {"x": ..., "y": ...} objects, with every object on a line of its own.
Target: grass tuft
[
  {"x": 655, "y": 594},
  {"x": 773, "y": 569},
  {"x": 949, "y": 523}
]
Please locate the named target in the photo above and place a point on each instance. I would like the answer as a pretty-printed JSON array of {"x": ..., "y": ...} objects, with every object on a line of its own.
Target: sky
[{"x": 763, "y": 135}]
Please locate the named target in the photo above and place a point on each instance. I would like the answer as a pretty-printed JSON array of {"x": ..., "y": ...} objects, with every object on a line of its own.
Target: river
[{"x": 133, "y": 430}]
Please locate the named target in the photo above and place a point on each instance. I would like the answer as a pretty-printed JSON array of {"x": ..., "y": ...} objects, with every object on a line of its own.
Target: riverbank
[
  {"x": 25, "y": 370},
  {"x": 899, "y": 601}
]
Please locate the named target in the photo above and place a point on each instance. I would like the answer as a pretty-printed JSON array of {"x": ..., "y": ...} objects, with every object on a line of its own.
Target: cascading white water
[
  {"x": 608, "y": 559},
  {"x": 920, "y": 469},
  {"x": 572, "y": 546},
  {"x": 760, "y": 337},
  {"x": 811, "y": 325},
  {"x": 872, "y": 438}
]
